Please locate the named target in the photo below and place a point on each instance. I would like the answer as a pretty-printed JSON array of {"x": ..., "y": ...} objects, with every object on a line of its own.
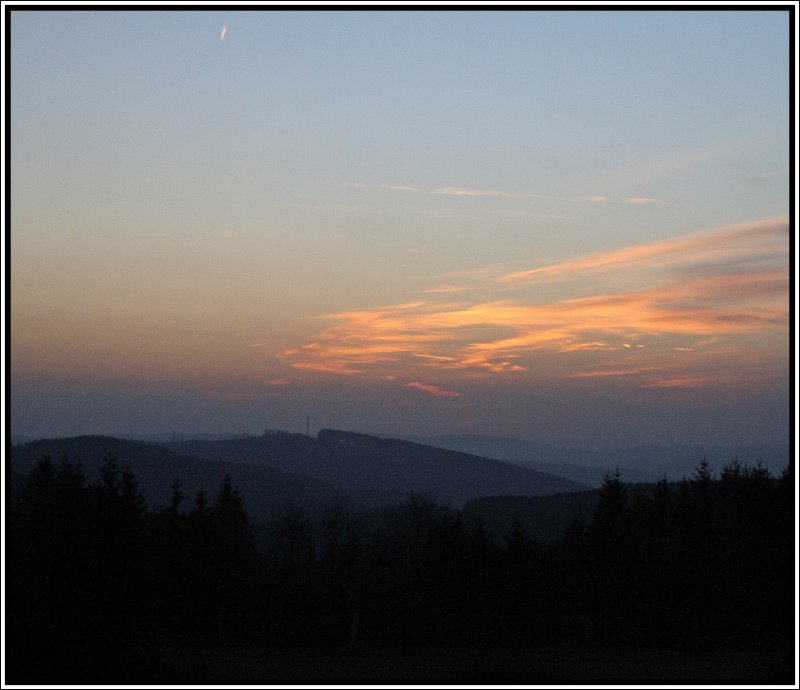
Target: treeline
[{"x": 94, "y": 578}]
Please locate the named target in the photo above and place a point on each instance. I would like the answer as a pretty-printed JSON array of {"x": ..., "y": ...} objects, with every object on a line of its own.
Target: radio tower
[{"x": 308, "y": 426}]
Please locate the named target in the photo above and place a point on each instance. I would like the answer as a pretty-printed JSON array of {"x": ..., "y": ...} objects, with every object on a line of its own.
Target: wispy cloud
[
  {"x": 420, "y": 249},
  {"x": 460, "y": 191},
  {"x": 621, "y": 369},
  {"x": 446, "y": 289},
  {"x": 665, "y": 167},
  {"x": 534, "y": 215},
  {"x": 449, "y": 214},
  {"x": 468, "y": 192},
  {"x": 643, "y": 201},
  {"x": 432, "y": 390},
  {"x": 401, "y": 187},
  {"x": 749, "y": 239},
  {"x": 442, "y": 190},
  {"x": 654, "y": 308},
  {"x": 282, "y": 381},
  {"x": 691, "y": 381},
  {"x": 329, "y": 208},
  {"x": 596, "y": 198}
]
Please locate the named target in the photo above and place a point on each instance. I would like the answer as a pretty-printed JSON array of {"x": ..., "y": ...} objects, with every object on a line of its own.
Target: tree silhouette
[
  {"x": 613, "y": 559},
  {"x": 177, "y": 498},
  {"x": 610, "y": 513},
  {"x": 232, "y": 522},
  {"x": 96, "y": 579},
  {"x": 51, "y": 538}
]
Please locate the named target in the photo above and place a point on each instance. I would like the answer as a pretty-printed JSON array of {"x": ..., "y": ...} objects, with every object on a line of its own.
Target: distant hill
[
  {"x": 680, "y": 462},
  {"x": 264, "y": 489},
  {"x": 375, "y": 471},
  {"x": 575, "y": 464},
  {"x": 640, "y": 464}
]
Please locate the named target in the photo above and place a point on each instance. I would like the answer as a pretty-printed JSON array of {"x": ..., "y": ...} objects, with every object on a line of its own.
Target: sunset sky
[{"x": 567, "y": 226}]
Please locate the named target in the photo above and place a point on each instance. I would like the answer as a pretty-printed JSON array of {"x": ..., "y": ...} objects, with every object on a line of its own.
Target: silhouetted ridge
[
  {"x": 376, "y": 471},
  {"x": 352, "y": 438},
  {"x": 157, "y": 466},
  {"x": 589, "y": 465}
]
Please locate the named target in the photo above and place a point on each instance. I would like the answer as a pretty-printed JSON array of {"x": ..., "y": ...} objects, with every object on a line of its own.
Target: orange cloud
[
  {"x": 741, "y": 241},
  {"x": 620, "y": 370},
  {"x": 714, "y": 286}
]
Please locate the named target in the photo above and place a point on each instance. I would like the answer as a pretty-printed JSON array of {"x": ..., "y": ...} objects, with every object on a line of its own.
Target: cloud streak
[
  {"x": 643, "y": 201},
  {"x": 467, "y": 192},
  {"x": 459, "y": 191},
  {"x": 652, "y": 308},
  {"x": 401, "y": 187},
  {"x": 597, "y": 198},
  {"x": 432, "y": 390},
  {"x": 534, "y": 215},
  {"x": 746, "y": 240}
]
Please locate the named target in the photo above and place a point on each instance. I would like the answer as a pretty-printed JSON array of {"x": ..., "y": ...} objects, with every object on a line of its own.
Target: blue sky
[{"x": 235, "y": 227}]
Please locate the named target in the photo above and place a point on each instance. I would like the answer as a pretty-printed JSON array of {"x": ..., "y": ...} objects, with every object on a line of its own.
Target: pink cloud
[
  {"x": 282, "y": 381},
  {"x": 432, "y": 390}
]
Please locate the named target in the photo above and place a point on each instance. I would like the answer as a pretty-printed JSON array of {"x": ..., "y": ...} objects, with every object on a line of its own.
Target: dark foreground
[
  {"x": 168, "y": 664},
  {"x": 691, "y": 582}
]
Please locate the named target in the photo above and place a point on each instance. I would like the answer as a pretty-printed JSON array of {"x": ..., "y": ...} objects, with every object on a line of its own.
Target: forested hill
[
  {"x": 155, "y": 468},
  {"x": 278, "y": 468},
  {"x": 376, "y": 471}
]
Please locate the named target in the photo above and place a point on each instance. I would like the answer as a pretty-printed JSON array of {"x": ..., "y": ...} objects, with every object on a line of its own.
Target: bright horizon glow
[{"x": 566, "y": 226}]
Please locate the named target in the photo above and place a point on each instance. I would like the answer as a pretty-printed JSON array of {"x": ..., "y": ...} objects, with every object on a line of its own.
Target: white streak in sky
[
  {"x": 223, "y": 32},
  {"x": 642, "y": 200}
]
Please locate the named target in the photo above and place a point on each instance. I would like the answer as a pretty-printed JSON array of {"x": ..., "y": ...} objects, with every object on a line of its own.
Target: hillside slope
[
  {"x": 589, "y": 466},
  {"x": 263, "y": 489},
  {"x": 377, "y": 471}
]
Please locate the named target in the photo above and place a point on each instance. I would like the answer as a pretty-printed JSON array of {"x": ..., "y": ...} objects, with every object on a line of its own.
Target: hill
[
  {"x": 589, "y": 466},
  {"x": 375, "y": 471},
  {"x": 264, "y": 489},
  {"x": 582, "y": 466}
]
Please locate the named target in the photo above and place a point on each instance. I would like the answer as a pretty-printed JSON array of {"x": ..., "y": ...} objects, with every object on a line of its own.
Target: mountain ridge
[
  {"x": 636, "y": 463},
  {"x": 155, "y": 468},
  {"x": 279, "y": 468},
  {"x": 380, "y": 470}
]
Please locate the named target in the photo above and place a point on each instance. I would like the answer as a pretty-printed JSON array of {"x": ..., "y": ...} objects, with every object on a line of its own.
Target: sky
[{"x": 566, "y": 226}]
